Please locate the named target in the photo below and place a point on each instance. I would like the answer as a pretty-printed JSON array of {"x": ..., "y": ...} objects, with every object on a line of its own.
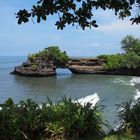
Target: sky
[{"x": 20, "y": 40}]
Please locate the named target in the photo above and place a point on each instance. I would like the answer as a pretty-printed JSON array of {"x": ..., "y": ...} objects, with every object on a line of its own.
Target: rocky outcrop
[
  {"x": 35, "y": 69},
  {"x": 86, "y": 66},
  {"x": 42, "y": 68},
  {"x": 96, "y": 66}
]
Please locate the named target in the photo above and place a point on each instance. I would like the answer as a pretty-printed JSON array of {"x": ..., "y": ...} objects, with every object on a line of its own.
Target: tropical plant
[
  {"x": 28, "y": 120},
  {"x": 131, "y": 44},
  {"x": 129, "y": 116}
]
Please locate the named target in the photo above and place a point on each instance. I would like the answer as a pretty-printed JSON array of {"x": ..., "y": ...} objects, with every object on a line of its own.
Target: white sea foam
[
  {"x": 93, "y": 99},
  {"x": 123, "y": 82},
  {"x": 135, "y": 80},
  {"x": 137, "y": 96}
]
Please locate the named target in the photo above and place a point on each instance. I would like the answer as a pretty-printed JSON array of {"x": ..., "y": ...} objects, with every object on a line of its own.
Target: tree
[
  {"x": 79, "y": 11},
  {"x": 131, "y": 44}
]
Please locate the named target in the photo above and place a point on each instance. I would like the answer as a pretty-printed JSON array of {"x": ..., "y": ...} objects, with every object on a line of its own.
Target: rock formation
[
  {"x": 86, "y": 66},
  {"x": 35, "y": 69},
  {"x": 96, "y": 66}
]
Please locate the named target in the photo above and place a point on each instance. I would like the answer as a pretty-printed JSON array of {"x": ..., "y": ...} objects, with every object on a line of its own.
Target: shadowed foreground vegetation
[{"x": 65, "y": 119}]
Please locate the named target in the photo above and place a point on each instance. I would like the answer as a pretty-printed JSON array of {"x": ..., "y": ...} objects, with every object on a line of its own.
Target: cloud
[
  {"x": 93, "y": 44},
  {"x": 118, "y": 26}
]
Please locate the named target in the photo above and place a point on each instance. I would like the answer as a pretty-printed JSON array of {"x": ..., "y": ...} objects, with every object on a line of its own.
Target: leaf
[
  {"x": 19, "y": 21},
  {"x": 38, "y": 19}
]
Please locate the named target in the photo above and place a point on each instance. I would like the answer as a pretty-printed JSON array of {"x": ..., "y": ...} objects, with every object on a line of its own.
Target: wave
[
  {"x": 93, "y": 99},
  {"x": 137, "y": 96},
  {"x": 135, "y": 80},
  {"x": 124, "y": 82}
]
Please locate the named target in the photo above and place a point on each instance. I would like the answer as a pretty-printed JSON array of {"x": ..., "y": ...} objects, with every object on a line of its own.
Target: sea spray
[
  {"x": 135, "y": 80},
  {"x": 93, "y": 99}
]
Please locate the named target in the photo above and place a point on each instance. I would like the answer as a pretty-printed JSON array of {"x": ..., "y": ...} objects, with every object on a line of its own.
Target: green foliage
[
  {"x": 112, "y": 61},
  {"x": 130, "y": 60},
  {"x": 64, "y": 119},
  {"x": 129, "y": 116},
  {"x": 103, "y": 56},
  {"x": 20, "y": 121},
  {"x": 131, "y": 44},
  {"x": 118, "y": 61},
  {"x": 78, "y": 12},
  {"x": 50, "y": 54}
]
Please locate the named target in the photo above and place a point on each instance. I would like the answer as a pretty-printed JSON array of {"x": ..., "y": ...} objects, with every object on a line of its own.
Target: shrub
[
  {"x": 64, "y": 119},
  {"x": 130, "y": 60},
  {"x": 52, "y": 54},
  {"x": 117, "y": 61},
  {"x": 112, "y": 61}
]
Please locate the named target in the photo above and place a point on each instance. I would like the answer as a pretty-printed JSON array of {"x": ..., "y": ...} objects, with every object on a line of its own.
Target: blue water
[{"x": 111, "y": 89}]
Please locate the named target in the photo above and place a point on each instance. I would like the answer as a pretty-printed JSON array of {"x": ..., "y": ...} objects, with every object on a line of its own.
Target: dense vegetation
[
  {"x": 51, "y": 54},
  {"x": 79, "y": 12},
  {"x": 64, "y": 119},
  {"x": 28, "y": 120},
  {"x": 129, "y": 59}
]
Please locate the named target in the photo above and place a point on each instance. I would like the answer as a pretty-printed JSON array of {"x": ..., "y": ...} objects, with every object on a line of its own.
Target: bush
[
  {"x": 130, "y": 60},
  {"x": 52, "y": 54},
  {"x": 113, "y": 61},
  {"x": 28, "y": 120},
  {"x": 117, "y": 61}
]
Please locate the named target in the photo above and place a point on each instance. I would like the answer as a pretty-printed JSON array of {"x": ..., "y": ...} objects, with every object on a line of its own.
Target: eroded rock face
[
  {"x": 38, "y": 69},
  {"x": 86, "y": 66}
]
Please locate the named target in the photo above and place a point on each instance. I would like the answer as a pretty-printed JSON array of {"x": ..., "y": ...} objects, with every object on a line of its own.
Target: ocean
[{"x": 111, "y": 89}]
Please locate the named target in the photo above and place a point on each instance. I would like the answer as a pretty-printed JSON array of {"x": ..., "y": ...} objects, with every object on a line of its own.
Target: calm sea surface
[{"x": 111, "y": 89}]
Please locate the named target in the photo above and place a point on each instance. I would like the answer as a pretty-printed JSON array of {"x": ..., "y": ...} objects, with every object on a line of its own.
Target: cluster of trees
[
  {"x": 129, "y": 59},
  {"x": 50, "y": 54}
]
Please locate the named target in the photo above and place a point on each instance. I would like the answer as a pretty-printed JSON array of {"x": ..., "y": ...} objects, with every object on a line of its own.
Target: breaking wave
[
  {"x": 93, "y": 99},
  {"x": 135, "y": 80}
]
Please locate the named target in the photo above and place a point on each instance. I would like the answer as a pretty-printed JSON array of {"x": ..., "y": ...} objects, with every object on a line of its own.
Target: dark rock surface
[{"x": 37, "y": 70}]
